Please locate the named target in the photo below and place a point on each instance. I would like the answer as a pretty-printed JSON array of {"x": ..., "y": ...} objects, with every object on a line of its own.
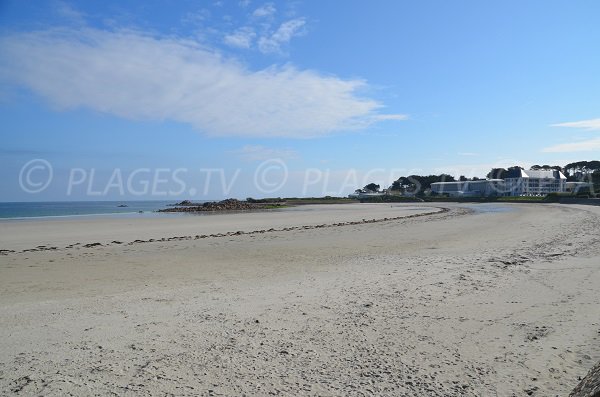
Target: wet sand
[{"x": 477, "y": 300}]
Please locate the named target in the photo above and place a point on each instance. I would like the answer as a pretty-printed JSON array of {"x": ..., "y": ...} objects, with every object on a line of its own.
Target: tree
[
  {"x": 545, "y": 167},
  {"x": 497, "y": 173},
  {"x": 463, "y": 178},
  {"x": 372, "y": 187},
  {"x": 581, "y": 169},
  {"x": 419, "y": 183}
]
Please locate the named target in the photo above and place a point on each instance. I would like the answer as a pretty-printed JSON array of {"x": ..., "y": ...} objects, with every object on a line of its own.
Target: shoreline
[
  {"x": 440, "y": 210},
  {"x": 147, "y": 207},
  {"x": 170, "y": 208},
  {"x": 63, "y": 232}
]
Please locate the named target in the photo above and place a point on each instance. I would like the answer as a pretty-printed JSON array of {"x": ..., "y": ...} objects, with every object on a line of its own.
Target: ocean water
[{"x": 80, "y": 208}]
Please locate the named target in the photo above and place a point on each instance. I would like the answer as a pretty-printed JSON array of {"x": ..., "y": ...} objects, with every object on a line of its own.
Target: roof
[
  {"x": 541, "y": 174},
  {"x": 447, "y": 183}
]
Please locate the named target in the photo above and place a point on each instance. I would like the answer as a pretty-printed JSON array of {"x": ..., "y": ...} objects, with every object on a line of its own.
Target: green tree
[
  {"x": 371, "y": 187},
  {"x": 497, "y": 173}
]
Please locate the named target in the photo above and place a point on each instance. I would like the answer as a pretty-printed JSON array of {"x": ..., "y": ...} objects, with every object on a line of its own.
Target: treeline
[
  {"x": 419, "y": 183},
  {"x": 584, "y": 171},
  {"x": 580, "y": 171}
]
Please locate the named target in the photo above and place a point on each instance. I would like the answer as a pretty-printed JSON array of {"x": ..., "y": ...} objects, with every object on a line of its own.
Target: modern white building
[
  {"x": 484, "y": 187},
  {"x": 534, "y": 183},
  {"x": 576, "y": 187},
  {"x": 517, "y": 183}
]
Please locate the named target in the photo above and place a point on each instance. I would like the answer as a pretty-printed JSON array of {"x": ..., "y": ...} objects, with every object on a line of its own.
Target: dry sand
[{"x": 487, "y": 300}]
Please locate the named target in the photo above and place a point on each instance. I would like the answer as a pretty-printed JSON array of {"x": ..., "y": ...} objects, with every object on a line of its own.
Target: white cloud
[
  {"x": 468, "y": 154},
  {"x": 383, "y": 117},
  {"x": 265, "y": 11},
  {"x": 135, "y": 75},
  {"x": 241, "y": 38},
  {"x": 582, "y": 146},
  {"x": 593, "y": 124},
  {"x": 261, "y": 153},
  {"x": 283, "y": 35},
  {"x": 197, "y": 17}
]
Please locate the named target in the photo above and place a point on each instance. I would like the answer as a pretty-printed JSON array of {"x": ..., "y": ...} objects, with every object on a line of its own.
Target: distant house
[
  {"x": 361, "y": 195},
  {"x": 519, "y": 182}
]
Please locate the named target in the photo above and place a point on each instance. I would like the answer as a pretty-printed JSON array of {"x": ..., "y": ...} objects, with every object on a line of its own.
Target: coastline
[
  {"x": 461, "y": 303},
  {"x": 62, "y": 209},
  {"x": 61, "y": 233}
]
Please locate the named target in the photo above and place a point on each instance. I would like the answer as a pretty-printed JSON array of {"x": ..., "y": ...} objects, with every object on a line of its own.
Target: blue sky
[{"x": 341, "y": 93}]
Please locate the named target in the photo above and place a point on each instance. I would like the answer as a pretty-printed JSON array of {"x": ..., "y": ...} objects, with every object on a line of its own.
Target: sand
[{"x": 494, "y": 300}]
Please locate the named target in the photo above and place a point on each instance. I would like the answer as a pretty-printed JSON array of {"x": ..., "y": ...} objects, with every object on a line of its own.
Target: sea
[{"x": 27, "y": 210}]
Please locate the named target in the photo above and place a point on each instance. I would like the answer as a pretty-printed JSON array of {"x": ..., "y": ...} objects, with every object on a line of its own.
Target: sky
[{"x": 211, "y": 99}]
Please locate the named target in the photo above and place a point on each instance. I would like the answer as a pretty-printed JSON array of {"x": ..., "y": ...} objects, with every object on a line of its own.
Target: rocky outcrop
[
  {"x": 184, "y": 203},
  {"x": 225, "y": 205},
  {"x": 590, "y": 385}
]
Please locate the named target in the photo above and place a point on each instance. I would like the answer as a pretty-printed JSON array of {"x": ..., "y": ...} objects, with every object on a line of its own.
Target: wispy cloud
[
  {"x": 587, "y": 145},
  {"x": 282, "y": 36},
  {"x": 137, "y": 75},
  {"x": 241, "y": 38},
  {"x": 582, "y": 146},
  {"x": 66, "y": 11},
  {"x": 593, "y": 124},
  {"x": 468, "y": 154},
  {"x": 261, "y": 153},
  {"x": 383, "y": 117},
  {"x": 266, "y": 10},
  {"x": 197, "y": 17}
]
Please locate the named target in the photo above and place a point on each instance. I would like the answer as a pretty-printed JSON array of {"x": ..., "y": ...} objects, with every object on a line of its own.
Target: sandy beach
[{"x": 358, "y": 299}]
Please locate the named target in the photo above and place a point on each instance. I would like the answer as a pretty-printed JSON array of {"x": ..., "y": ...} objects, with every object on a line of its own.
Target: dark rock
[
  {"x": 590, "y": 385},
  {"x": 90, "y": 245},
  {"x": 182, "y": 203},
  {"x": 225, "y": 205}
]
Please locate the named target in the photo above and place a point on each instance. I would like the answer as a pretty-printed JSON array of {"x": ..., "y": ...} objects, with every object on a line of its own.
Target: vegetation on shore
[{"x": 412, "y": 188}]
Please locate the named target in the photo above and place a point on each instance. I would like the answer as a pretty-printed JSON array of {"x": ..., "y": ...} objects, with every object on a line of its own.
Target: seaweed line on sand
[{"x": 441, "y": 210}]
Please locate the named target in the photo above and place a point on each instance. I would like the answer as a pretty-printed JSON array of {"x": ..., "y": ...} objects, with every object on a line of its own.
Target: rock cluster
[
  {"x": 225, "y": 205},
  {"x": 183, "y": 203}
]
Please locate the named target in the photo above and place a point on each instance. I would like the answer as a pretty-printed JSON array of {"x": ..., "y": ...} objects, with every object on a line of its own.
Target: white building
[
  {"x": 517, "y": 183},
  {"x": 362, "y": 195},
  {"x": 576, "y": 187},
  {"x": 534, "y": 183},
  {"x": 480, "y": 188}
]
